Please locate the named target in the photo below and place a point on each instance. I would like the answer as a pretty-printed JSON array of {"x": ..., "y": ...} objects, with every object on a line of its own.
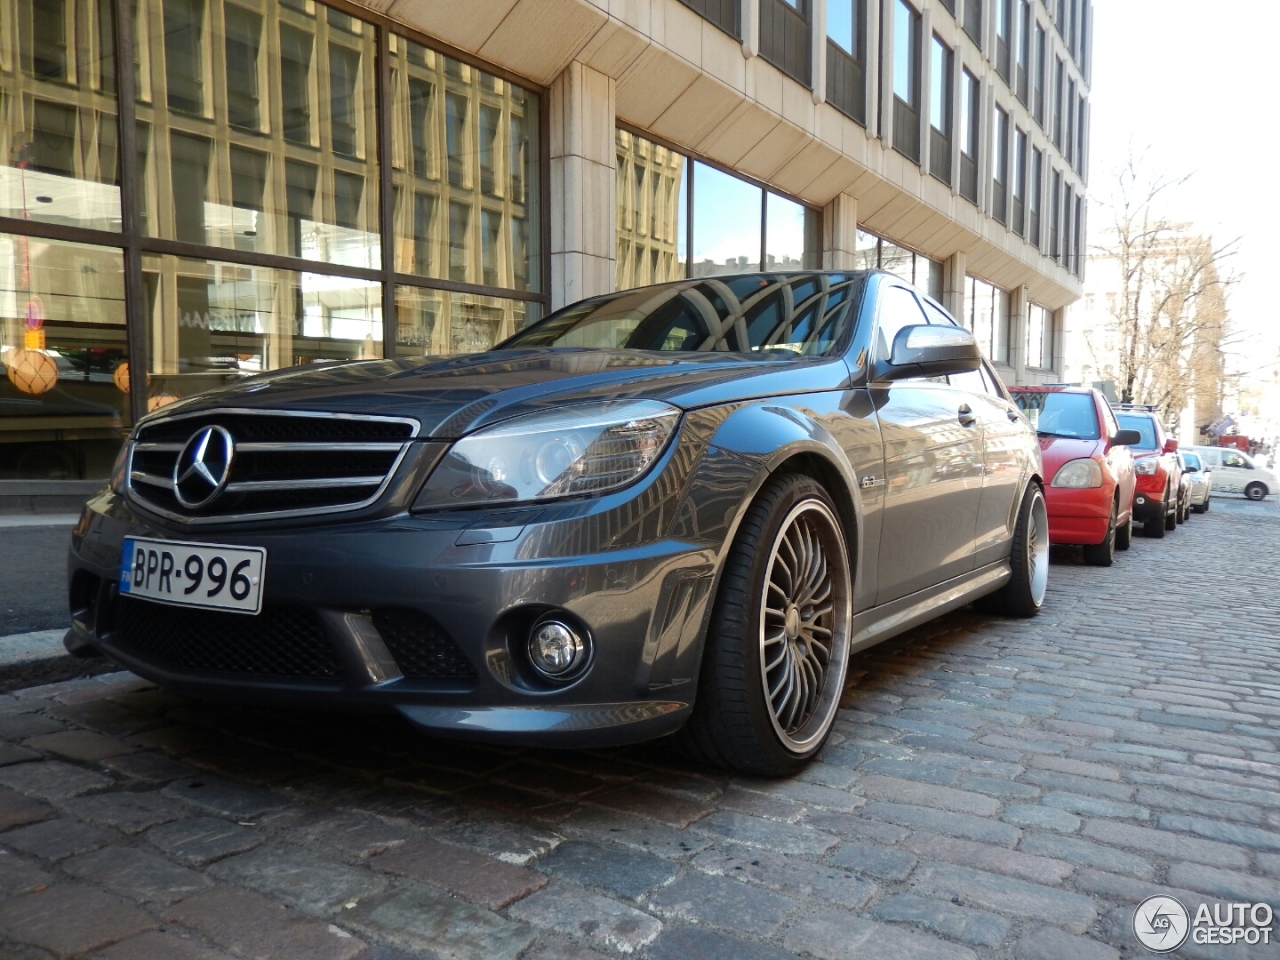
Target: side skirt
[{"x": 897, "y": 616}]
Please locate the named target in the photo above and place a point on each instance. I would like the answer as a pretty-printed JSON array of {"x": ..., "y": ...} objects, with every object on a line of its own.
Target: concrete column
[
  {"x": 818, "y": 48},
  {"x": 1018, "y": 304},
  {"x": 749, "y": 16},
  {"x": 840, "y": 233},
  {"x": 953, "y": 273},
  {"x": 583, "y": 205},
  {"x": 884, "y": 75},
  {"x": 872, "y": 68}
]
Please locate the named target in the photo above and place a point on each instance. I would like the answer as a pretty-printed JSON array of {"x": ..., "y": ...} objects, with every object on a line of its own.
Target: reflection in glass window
[
  {"x": 1040, "y": 337},
  {"x": 211, "y": 323},
  {"x": 652, "y": 212},
  {"x": 906, "y": 52},
  {"x": 272, "y": 95},
  {"x": 726, "y": 223},
  {"x": 439, "y": 322},
  {"x": 751, "y": 313},
  {"x": 866, "y": 253},
  {"x": 62, "y": 342},
  {"x": 57, "y": 118},
  {"x": 791, "y": 235},
  {"x": 464, "y": 155}
]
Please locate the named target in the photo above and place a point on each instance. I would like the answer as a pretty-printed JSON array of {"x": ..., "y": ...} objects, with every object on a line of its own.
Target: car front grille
[
  {"x": 421, "y": 647},
  {"x": 284, "y": 464},
  {"x": 280, "y": 642}
]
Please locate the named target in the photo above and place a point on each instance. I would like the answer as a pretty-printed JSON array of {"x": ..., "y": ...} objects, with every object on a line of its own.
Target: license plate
[{"x": 207, "y": 575}]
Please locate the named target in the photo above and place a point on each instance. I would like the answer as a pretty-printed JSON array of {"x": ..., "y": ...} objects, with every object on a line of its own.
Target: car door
[
  {"x": 932, "y": 465},
  {"x": 1006, "y": 442}
]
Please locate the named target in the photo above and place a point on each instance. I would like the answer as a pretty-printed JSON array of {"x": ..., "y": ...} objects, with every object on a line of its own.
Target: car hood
[
  {"x": 1055, "y": 451},
  {"x": 451, "y": 396}
]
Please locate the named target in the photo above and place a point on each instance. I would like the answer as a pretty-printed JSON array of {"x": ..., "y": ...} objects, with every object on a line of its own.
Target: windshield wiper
[{"x": 1064, "y": 436}]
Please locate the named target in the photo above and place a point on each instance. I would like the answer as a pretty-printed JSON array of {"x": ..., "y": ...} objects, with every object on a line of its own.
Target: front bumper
[
  {"x": 1078, "y": 516},
  {"x": 1148, "y": 508},
  {"x": 480, "y": 583}
]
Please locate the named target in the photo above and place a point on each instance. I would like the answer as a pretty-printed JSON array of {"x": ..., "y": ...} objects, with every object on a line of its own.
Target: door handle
[{"x": 966, "y": 416}]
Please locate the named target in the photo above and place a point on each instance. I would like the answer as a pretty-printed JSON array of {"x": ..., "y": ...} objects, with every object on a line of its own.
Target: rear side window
[{"x": 1144, "y": 425}]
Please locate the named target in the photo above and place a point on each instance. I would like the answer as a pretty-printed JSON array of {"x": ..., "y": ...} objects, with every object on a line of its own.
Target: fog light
[
  {"x": 1142, "y": 501},
  {"x": 555, "y": 649}
]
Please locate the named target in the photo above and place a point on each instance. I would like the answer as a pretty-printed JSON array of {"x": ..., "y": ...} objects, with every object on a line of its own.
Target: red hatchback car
[{"x": 1088, "y": 465}]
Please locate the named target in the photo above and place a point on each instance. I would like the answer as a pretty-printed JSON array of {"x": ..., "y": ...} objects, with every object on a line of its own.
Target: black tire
[
  {"x": 1171, "y": 518},
  {"x": 1124, "y": 534},
  {"x": 1200, "y": 507},
  {"x": 1205, "y": 508},
  {"x": 736, "y": 724},
  {"x": 1023, "y": 594},
  {"x": 1255, "y": 491},
  {"x": 1103, "y": 554},
  {"x": 1155, "y": 527}
]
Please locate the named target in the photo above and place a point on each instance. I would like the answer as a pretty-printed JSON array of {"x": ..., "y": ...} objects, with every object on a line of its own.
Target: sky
[{"x": 1193, "y": 87}]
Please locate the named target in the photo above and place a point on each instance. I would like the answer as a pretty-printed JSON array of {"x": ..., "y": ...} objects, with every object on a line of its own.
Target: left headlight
[
  {"x": 582, "y": 450},
  {"x": 119, "y": 467},
  {"x": 1078, "y": 474}
]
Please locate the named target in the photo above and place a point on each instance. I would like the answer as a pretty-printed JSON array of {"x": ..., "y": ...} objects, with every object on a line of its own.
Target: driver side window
[
  {"x": 1233, "y": 460},
  {"x": 898, "y": 308}
]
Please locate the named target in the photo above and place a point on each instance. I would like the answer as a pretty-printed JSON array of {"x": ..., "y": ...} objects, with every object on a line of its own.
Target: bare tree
[{"x": 1169, "y": 307}]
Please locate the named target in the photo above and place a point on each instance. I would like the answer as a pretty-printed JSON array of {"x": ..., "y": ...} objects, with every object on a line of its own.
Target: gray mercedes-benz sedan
[{"x": 677, "y": 509}]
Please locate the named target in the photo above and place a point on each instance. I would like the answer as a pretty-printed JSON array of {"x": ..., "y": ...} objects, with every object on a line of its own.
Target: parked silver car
[
  {"x": 1201, "y": 480},
  {"x": 674, "y": 508}
]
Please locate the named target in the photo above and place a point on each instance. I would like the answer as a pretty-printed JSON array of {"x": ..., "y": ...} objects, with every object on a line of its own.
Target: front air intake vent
[{"x": 221, "y": 465}]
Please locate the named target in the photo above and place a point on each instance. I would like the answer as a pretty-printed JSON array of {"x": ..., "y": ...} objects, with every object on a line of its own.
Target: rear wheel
[
  {"x": 1205, "y": 508},
  {"x": 1024, "y": 594},
  {"x": 778, "y": 644},
  {"x": 1103, "y": 554},
  {"x": 1255, "y": 491},
  {"x": 1156, "y": 526},
  {"x": 1124, "y": 534},
  {"x": 1171, "y": 518}
]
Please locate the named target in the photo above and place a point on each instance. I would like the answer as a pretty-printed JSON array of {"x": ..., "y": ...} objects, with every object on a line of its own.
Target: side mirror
[
  {"x": 1126, "y": 438},
  {"x": 1171, "y": 446},
  {"x": 930, "y": 350}
]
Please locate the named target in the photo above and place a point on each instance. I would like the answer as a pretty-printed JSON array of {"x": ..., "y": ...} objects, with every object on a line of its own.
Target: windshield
[
  {"x": 1061, "y": 414},
  {"x": 1144, "y": 426},
  {"x": 787, "y": 314},
  {"x": 1192, "y": 461}
]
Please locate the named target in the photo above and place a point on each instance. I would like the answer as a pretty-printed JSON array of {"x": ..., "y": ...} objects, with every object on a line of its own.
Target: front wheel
[
  {"x": 1255, "y": 491},
  {"x": 778, "y": 644},
  {"x": 1024, "y": 594},
  {"x": 1103, "y": 554},
  {"x": 1205, "y": 508},
  {"x": 1124, "y": 535}
]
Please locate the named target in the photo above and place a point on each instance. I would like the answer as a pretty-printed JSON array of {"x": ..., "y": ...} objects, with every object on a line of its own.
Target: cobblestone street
[{"x": 995, "y": 788}]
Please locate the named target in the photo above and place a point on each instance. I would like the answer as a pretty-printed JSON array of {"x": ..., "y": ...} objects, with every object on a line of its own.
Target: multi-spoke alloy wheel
[
  {"x": 804, "y": 630},
  {"x": 777, "y": 647}
]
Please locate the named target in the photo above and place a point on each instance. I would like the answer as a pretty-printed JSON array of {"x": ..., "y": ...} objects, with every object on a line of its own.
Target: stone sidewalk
[{"x": 995, "y": 789}]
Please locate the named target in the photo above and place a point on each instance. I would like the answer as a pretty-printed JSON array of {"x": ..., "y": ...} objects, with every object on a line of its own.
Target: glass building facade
[{"x": 298, "y": 185}]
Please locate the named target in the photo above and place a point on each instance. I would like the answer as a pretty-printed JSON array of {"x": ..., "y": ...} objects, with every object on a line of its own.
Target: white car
[
  {"x": 1201, "y": 477},
  {"x": 1235, "y": 472}
]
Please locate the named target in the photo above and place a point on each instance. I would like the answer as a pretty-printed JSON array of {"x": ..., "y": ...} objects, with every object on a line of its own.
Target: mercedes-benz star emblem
[{"x": 203, "y": 467}]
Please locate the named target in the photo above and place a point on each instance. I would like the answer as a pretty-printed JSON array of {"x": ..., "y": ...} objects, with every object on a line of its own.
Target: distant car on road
[
  {"x": 1236, "y": 472},
  {"x": 1157, "y": 505},
  {"x": 1088, "y": 465},
  {"x": 1200, "y": 477}
]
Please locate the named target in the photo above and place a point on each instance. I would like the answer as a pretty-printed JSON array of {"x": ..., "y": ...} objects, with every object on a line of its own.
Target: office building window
[
  {"x": 1039, "y": 67},
  {"x": 723, "y": 13},
  {"x": 1081, "y": 128},
  {"x": 973, "y": 20},
  {"x": 970, "y": 107},
  {"x": 1069, "y": 107},
  {"x": 1040, "y": 333},
  {"x": 940, "y": 125},
  {"x": 784, "y": 37},
  {"x": 1079, "y": 235},
  {"x": 1000, "y": 164},
  {"x": 1059, "y": 96},
  {"x": 987, "y": 316},
  {"x": 906, "y": 80},
  {"x": 846, "y": 58},
  {"x": 1036, "y": 187},
  {"x": 1055, "y": 217},
  {"x": 1018, "y": 218},
  {"x": 738, "y": 226},
  {"x": 875, "y": 252},
  {"x": 1023, "y": 55},
  {"x": 255, "y": 134},
  {"x": 1004, "y": 38}
]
